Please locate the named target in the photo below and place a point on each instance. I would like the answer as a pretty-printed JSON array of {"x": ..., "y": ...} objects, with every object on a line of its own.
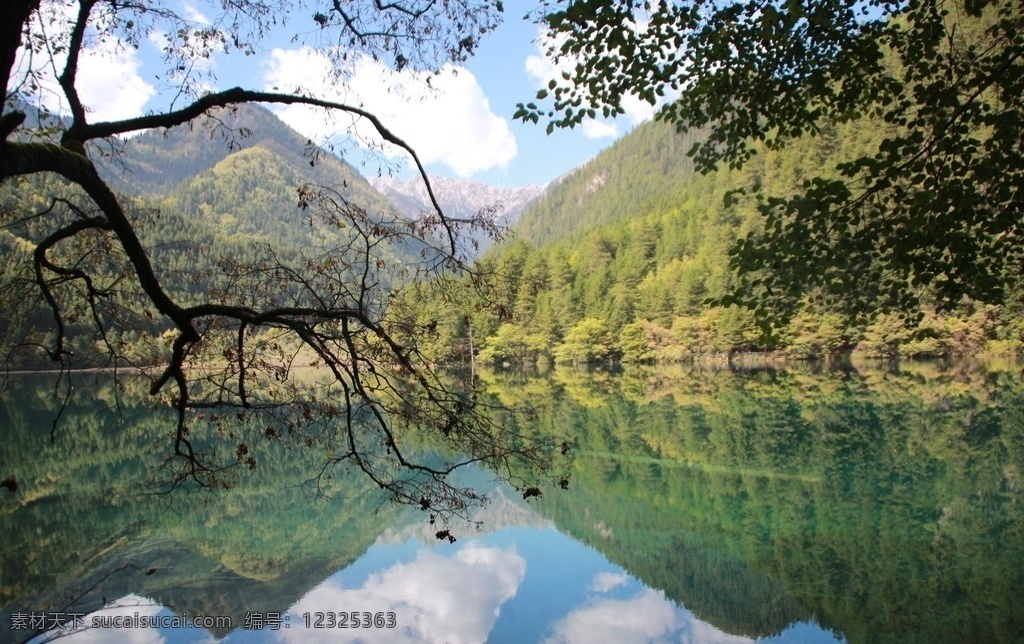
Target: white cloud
[
  {"x": 605, "y": 581},
  {"x": 435, "y": 598},
  {"x": 449, "y": 122},
  {"x": 638, "y": 110},
  {"x": 594, "y": 129},
  {"x": 195, "y": 15},
  {"x": 647, "y": 617},
  {"x": 540, "y": 67},
  {"x": 108, "y": 80},
  {"x": 130, "y": 606},
  {"x": 110, "y": 86}
]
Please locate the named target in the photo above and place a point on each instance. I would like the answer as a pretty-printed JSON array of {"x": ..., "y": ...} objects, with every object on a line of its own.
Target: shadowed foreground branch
[{"x": 269, "y": 344}]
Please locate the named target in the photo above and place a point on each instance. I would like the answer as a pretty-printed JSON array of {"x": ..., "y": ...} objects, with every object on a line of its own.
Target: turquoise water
[{"x": 797, "y": 505}]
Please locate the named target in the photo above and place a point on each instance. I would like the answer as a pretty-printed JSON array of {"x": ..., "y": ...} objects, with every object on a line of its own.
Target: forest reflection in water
[{"x": 706, "y": 504}]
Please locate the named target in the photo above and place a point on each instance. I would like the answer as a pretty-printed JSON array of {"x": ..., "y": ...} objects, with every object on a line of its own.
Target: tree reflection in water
[{"x": 718, "y": 505}]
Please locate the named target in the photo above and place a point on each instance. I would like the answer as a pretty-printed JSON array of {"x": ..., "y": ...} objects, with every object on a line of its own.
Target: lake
[{"x": 801, "y": 504}]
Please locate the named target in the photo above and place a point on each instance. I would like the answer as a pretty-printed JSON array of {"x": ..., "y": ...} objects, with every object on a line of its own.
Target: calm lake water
[{"x": 706, "y": 505}]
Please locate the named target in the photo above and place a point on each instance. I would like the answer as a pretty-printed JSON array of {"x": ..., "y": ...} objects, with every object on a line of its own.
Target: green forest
[
  {"x": 761, "y": 352},
  {"x": 213, "y": 204},
  {"x": 629, "y": 259},
  {"x": 87, "y": 526},
  {"x": 641, "y": 255},
  {"x": 869, "y": 207},
  {"x": 649, "y": 253}
]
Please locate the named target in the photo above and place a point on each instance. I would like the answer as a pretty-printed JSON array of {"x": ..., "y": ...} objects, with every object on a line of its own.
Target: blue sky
[{"x": 464, "y": 129}]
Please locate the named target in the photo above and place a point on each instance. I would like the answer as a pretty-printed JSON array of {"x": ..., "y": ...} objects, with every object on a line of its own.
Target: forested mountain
[
  {"x": 638, "y": 174},
  {"x": 208, "y": 199},
  {"x": 233, "y": 152},
  {"x": 738, "y": 492},
  {"x": 83, "y": 491},
  {"x": 620, "y": 259},
  {"x": 626, "y": 258}
]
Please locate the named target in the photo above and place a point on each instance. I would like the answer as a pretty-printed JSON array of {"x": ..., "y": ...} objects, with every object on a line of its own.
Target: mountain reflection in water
[
  {"x": 515, "y": 585},
  {"x": 705, "y": 506}
]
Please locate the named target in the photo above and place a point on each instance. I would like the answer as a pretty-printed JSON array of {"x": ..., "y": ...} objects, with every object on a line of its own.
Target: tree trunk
[{"x": 13, "y": 16}]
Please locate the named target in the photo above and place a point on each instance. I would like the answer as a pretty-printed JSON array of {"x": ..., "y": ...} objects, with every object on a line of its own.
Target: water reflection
[
  {"x": 705, "y": 506},
  {"x": 437, "y": 597},
  {"x": 486, "y": 589}
]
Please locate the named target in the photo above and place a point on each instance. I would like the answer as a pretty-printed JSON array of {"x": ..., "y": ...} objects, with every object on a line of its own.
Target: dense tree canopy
[
  {"x": 650, "y": 258},
  {"x": 72, "y": 247},
  {"x": 933, "y": 211}
]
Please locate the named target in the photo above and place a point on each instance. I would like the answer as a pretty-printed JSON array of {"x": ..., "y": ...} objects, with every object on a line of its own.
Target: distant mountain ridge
[
  {"x": 242, "y": 165},
  {"x": 458, "y": 197},
  {"x": 235, "y": 174},
  {"x": 155, "y": 163}
]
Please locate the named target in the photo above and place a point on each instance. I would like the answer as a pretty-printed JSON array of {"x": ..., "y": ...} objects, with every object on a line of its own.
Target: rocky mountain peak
[{"x": 458, "y": 197}]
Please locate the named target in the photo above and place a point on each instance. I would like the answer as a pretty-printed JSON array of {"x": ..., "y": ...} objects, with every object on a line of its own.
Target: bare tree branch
[{"x": 230, "y": 367}]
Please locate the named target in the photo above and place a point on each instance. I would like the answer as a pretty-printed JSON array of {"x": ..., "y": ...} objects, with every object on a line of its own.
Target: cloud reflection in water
[{"x": 436, "y": 598}]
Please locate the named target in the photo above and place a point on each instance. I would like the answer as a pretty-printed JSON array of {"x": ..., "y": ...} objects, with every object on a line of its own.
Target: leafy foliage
[
  {"x": 588, "y": 341},
  {"x": 649, "y": 272},
  {"x": 936, "y": 201}
]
